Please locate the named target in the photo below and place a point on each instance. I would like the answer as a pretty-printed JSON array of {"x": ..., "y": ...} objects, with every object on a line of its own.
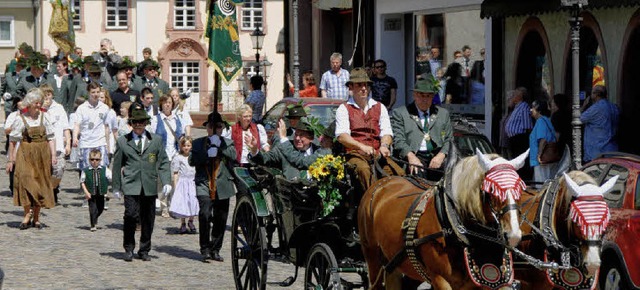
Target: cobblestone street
[{"x": 67, "y": 255}]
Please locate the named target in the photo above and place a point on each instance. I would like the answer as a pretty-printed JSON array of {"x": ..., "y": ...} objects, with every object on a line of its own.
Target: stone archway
[
  {"x": 187, "y": 49},
  {"x": 534, "y": 66},
  {"x": 629, "y": 88}
]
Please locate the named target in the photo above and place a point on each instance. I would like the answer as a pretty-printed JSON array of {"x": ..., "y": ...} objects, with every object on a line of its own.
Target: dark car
[
  {"x": 620, "y": 268},
  {"x": 321, "y": 108}
]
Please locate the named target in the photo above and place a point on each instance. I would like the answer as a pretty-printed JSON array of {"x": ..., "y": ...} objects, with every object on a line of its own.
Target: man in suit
[
  {"x": 95, "y": 75},
  {"x": 422, "y": 131},
  {"x": 157, "y": 85},
  {"x": 107, "y": 58},
  {"x": 37, "y": 76},
  {"x": 292, "y": 156},
  {"x": 212, "y": 156},
  {"x": 139, "y": 161}
]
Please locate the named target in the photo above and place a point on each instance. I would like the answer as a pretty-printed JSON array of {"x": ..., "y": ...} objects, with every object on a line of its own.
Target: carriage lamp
[{"x": 576, "y": 21}]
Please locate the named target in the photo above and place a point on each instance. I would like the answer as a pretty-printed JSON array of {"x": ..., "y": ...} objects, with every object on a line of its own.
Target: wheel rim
[
  {"x": 248, "y": 247},
  {"x": 318, "y": 271},
  {"x": 613, "y": 279}
]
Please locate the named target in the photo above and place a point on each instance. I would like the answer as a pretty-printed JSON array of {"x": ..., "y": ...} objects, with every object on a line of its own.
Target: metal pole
[
  {"x": 575, "y": 22},
  {"x": 296, "y": 56}
]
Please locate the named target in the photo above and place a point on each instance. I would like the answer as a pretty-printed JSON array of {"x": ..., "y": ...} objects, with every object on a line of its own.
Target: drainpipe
[{"x": 37, "y": 32}]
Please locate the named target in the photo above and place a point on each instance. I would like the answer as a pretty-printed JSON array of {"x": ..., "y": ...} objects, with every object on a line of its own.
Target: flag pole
[{"x": 216, "y": 90}]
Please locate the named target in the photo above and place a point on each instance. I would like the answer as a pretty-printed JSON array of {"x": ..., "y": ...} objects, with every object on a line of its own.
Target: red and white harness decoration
[
  {"x": 591, "y": 214},
  {"x": 501, "y": 180}
]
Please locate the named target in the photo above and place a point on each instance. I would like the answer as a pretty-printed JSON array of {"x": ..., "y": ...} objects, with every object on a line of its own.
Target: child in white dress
[{"x": 184, "y": 203}]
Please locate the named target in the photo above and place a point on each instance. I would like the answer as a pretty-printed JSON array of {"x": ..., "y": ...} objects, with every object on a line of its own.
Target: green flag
[{"x": 224, "y": 42}]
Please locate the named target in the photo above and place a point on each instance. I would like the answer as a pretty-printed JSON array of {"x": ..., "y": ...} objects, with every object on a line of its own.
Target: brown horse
[
  {"x": 383, "y": 222},
  {"x": 569, "y": 215}
]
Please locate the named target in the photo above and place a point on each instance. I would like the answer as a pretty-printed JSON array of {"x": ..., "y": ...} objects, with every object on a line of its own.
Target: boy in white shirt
[
  {"x": 90, "y": 128},
  {"x": 61, "y": 131}
]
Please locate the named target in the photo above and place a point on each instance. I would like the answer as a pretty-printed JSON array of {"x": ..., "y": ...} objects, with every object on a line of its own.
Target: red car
[{"x": 620, "y": 268}]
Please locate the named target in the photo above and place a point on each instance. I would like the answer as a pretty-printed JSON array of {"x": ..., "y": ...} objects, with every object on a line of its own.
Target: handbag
[{"x": 551, "y": 151}]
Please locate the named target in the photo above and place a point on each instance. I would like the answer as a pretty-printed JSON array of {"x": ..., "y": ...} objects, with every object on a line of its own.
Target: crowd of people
[{"x": 125, "y": 126}]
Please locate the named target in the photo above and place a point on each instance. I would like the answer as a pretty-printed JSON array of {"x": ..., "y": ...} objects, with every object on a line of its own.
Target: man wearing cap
[
  {"x": 37, "y": 75},
  {"x": 422, "y": 131},
  {"x": 363, "y": 127},
  {"x": 293, "y": 156},
  {"x": 95, "y": 75},
  {"x": 213, "y": 157},
  {"x": 138, "y": 162},
  {"x": 157, "y": 85}
]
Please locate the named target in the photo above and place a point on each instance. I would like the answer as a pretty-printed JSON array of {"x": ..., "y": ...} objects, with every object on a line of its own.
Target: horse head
[
  {"x": 500, "y": 186},
  {"x": 588, "y": 216}
]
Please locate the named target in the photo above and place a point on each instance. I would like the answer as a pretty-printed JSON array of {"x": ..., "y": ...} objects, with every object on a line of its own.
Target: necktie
[
  {"x": 426, "y": 130},
  {"x": 140, "y": 144},
  {"x": 37, "y": 82},
  {"x": 96, "y": 182}
]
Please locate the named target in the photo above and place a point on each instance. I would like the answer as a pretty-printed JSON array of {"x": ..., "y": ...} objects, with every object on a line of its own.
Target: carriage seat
[{"x": 298, "y": 194}]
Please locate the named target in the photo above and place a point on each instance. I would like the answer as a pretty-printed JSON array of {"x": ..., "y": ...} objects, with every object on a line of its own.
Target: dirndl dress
[
  {"x": 32, "y": 181},
  {"x": 184, "y": 202}
]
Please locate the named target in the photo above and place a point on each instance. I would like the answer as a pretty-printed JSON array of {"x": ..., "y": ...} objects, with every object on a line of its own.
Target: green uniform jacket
[
  {"x": 81, "y": 85},
  {"x": 408, "y": 131},
  {"x": 161, "y": 89},
  {"x": 134, "y": 171},
  {"x": 61, "y": 94},
  {"x": 28, "y": 82},
  {"x": 290, "y": 160},
  {"x": 10, "y": 85},
  {"x": 202, "y": 162}
]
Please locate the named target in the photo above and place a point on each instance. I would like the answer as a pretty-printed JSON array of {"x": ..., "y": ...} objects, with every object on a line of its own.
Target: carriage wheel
[
  {"x": 317, "y": 274},
  {"x": 248, "y": 247}
]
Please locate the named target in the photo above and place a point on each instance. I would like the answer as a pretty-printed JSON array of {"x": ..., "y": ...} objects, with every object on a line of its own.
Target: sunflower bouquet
[{"x": 327, "y": 171}]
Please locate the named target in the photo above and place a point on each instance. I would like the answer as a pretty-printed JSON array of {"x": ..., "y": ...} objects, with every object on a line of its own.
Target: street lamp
[
  {"x": 266, "y": 68},
  {"x": 257, "y": 38},
  {"x": 576, "y": 21}
]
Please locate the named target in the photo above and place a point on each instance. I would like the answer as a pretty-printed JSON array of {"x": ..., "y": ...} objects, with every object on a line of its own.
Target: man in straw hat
[
  {"x": 212, "y": 157},
  {"x": 422, "y": 131},
  {"x": 142, "y": 157},
  {"x": 363, "y": 127}
]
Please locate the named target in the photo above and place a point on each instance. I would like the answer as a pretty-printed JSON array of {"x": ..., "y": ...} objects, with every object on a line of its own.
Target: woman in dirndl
[{"x": 31, "y": 155}]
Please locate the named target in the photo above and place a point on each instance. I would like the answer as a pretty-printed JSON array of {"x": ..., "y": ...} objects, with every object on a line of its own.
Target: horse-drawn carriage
[{"x": 459, "y": 233}]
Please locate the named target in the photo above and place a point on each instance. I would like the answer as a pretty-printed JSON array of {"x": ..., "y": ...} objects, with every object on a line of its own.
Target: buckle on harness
[{"x": 405, "y": 223}]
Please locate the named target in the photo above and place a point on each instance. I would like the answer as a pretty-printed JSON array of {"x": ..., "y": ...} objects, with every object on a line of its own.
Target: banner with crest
[
  {"x": 224, "y": 41},
  {"x": 61, "y": 25}
]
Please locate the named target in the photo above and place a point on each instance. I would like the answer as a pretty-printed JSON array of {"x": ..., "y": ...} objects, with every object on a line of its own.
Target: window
[
  {"x": 250, "y": 69},
  {"x": 185, "y": 75},
  {"x": 117, "y": 14},
  {"x": 596, "y": 170},
  {"x": 7, "y": 31},
  {"x": 637, "y": 197},
  {"x": 77, "y": 24},
  {"x": 271, "y": 118},
  {"x": 251, "y": 14},
  {"x": 615, "y": 197},
  {"x": 185, "y": 14}
]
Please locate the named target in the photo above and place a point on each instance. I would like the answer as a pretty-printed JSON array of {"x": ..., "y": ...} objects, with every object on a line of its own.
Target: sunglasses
[
  {"x": 138, "y": 121},
  {"x": 95, "y": 159},
  {"x": 377, "y": 66}
]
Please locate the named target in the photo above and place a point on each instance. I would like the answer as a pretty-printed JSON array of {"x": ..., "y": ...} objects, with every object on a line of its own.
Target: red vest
[
  {"x": 365, "y": 128},
  {"x": 237, "y": 137}
]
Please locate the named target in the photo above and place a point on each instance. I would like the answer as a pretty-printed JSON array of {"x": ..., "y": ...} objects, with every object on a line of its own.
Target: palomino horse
[
  {"x": 563, "y": 224},
  {"x": 402, "y": 230}
]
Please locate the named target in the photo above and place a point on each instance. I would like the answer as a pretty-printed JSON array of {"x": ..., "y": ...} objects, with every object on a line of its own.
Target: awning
[
  {"x": 507, "y": 8},
  {"x": 332, "y": 4}
]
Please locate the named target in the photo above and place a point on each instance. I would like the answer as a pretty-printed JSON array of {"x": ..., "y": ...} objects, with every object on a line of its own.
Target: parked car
[
  {"x": 620, "y": 268},
  {"x": 321, "y": 108}
]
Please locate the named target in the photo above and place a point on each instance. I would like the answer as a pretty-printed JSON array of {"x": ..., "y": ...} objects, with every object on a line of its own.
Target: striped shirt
[
  {"x": 335, "y": 84},
  {"x": 519, "y": 121}
]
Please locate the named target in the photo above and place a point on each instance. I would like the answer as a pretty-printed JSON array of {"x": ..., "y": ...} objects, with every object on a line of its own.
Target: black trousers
[
  {"x": 518, "y": 144},
  {"x": 426, "y": 172},
  {"x": 96, "y": 207},
  {"x": 143, "y": 208},
  {"x": 212, "y": 222}
]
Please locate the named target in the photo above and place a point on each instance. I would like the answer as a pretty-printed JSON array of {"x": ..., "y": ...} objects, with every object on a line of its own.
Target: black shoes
[
  {"x": 216, "y": 256},
  {"x": 144, "y": 256},
  {"x": 128, "y": 256},
  {"x": 206, "y": 256}
]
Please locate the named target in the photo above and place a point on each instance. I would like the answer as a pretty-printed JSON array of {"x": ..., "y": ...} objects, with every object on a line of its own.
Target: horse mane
[
  {"x": 467, "y": 176},
  {"x": 563, "y": 200}
]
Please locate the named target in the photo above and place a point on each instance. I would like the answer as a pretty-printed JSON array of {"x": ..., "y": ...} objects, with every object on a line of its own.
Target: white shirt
[
  {"x": 139, "y": 138},
  {"x": 342, "y": 118},
  {"x": 185, "y": 118},
  {"x": 169, "y": 148},
  {"x": 264, "y": 143},
  {"x": 423, "y": 116},
  {"x": 92, "y": 120},
  {"x": 107, "y": 174},
  {"x": 60, "y": 122},
  {"x": 18, "y": 126}
]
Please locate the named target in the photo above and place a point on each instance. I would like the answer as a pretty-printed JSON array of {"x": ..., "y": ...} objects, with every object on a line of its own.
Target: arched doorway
[
  {"x": 593, "y": 62},
  {"x": 533, "y": 66},
  {"x": 629, "y": 101}
]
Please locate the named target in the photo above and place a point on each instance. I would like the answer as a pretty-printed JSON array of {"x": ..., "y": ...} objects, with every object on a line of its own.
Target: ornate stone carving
[{"x": 184, "y": 46}]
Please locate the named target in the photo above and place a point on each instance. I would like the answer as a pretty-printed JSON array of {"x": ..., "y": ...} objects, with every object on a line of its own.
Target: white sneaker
[
  {"x": 85, "y": 203},
  {"x": 106, "y": 205},
  {"x": 93, "y": 229}
]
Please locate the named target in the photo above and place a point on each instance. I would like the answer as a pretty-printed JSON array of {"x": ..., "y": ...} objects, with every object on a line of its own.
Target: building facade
[{"x": 173, "y": 29}]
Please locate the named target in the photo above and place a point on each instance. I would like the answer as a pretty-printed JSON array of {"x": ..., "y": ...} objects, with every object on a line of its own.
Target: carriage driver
[
  {"x": 363, "y": 127},
  {"x": 422, "y": 132}
]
